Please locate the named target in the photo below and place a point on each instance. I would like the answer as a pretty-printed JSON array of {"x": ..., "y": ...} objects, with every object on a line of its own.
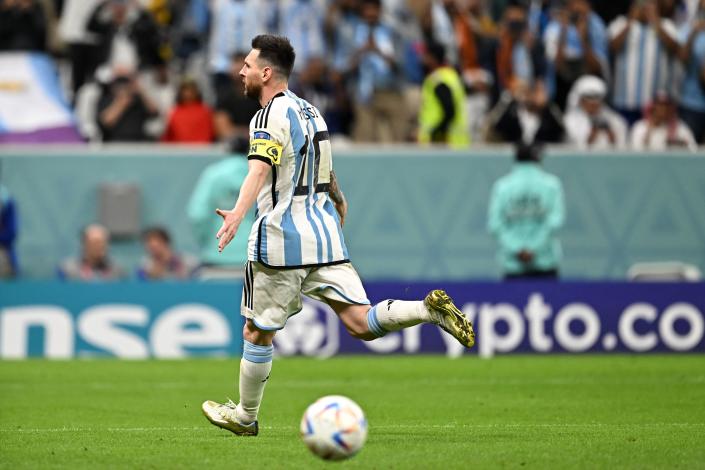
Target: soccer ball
[{"x": 334, "y": 428}]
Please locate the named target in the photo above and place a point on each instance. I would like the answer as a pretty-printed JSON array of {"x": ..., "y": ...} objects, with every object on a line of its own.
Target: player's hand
[{"x": 228, "y": 230}]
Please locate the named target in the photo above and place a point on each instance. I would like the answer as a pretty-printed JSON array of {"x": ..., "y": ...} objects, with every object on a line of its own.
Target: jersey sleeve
[{"x": 268, "y": 135}]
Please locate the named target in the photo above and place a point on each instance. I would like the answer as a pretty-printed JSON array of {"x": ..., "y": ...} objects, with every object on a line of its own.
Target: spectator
[
  {"x": 468, "y": 55},
  {"x": 481, "y": 21},
  {"x": 304, "y": 28},
  {"x": 190, "y": 121},
  {"x": 8, "y": 234},
  {"x": 190, "y": 27},
  {"x": 478, "y": 60},
  {"x": 158, "y": 84},
  {"x": 219, "y": 186},
  {"x": 234, "y": 110},
  {"x": 94, "y": 263},
  {"x": 661, "y": 129},
  {"x": 438, "y": 27},
  {"x": 235, "y": 23},
  {"x": 86, "y": 103},
  {"x": 692, "y": 53},
  {"x": 23, "y": 26},
  {"x": 589, "y": 122},
  {"x": 443, "y": 117},
  {"x": 340, "y": 24},
  {"x": 161, "y": 262},
  {"x": 524, "y": 114},
  {"x": 124, "y": 109},
  {"x": 539, "y": 16},
  {"x": 324, "y": 90},
  {"x": 643, "y": 45},
  {"x": 82, "y": 45},
  {"x": 127, "y": 35},
  {"x": 518, "y": 56},
  {"x": 576, "y": 45},
  {"x": 376, "y": 89},
  {"x": 526, "y": 211}
]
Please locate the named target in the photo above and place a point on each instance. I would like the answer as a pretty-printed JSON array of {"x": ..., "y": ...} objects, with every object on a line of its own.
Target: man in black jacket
[{"x": 524, "y": 114}]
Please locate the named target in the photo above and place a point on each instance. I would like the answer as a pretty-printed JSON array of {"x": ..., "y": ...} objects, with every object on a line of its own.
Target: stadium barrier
[
  {"x": 414, "y": 214},
  {"x": 175, "y": 320}
]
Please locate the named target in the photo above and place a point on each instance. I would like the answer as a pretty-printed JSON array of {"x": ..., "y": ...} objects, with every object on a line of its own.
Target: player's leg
[
  {"x": 269, "y": 297},
  {"x": 255, "y": 366},
  {"x": 371, "y": 322},
  {"x": 341, "y": 288}
]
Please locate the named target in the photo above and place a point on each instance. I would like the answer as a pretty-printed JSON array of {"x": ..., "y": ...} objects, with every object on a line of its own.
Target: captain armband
[{"x": 264, "y": 149}]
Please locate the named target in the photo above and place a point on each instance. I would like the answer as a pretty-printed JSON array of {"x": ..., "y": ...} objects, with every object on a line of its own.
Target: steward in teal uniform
[{"x": 526, "y": 211}]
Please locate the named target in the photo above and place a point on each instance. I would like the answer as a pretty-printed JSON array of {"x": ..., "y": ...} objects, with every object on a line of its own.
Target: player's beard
[{"x": 253, "y": 90}]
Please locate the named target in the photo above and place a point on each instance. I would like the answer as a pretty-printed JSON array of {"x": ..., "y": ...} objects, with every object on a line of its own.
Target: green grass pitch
[{"x": 424, "y": 412}]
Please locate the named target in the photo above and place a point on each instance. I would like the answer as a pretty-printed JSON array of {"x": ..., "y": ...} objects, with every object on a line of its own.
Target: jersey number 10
[{"x": 322, "y": 165}]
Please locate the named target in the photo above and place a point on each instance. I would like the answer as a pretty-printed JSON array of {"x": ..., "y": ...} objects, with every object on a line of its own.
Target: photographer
[
  {"x": 589, "y": 122},
  {"x": 124, "y": 109}
]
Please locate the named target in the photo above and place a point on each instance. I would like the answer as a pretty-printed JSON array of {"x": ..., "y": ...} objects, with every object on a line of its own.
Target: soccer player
[{"x": 296, "y": 245}]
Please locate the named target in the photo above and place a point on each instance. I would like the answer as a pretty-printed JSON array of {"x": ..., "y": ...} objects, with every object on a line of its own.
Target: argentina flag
[{"x": 33, "y": 108}]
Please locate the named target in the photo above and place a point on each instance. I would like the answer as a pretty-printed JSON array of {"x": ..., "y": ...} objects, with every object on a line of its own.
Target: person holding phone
[{"x": 589, "y": 122}]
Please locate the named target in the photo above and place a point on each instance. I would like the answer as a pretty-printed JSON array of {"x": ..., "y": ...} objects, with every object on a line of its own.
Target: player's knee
[
  {"x": 359, "y": 330},
  {"x": 254, "y": 335}
]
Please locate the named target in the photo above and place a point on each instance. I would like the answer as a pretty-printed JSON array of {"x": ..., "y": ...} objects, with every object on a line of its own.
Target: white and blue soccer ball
[{"x": 334, "y": 428}]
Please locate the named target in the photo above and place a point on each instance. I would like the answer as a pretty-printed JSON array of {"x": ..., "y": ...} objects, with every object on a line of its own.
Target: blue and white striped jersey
[
  {"x": 297, "y": 225},
  {"x": 643, "y": 66}
]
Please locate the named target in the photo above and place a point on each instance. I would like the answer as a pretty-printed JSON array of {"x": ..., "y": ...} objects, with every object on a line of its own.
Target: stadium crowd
[{"x": 598, "y": 75}]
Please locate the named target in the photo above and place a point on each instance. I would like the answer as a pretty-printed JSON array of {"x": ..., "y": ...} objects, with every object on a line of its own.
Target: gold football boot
[{"x": 446, "y": 315}]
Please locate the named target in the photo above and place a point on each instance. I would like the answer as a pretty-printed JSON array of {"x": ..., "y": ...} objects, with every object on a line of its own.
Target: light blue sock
[{"x": 373, "y": 324}]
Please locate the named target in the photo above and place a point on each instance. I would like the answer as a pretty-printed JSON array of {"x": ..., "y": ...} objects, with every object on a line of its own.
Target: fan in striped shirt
[{"x": 644, "y": 46}]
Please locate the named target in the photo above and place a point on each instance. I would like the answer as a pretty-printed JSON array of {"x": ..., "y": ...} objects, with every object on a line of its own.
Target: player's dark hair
[
  {"x": 277, "y": 51},
  {"x": 159, "y": 232}
]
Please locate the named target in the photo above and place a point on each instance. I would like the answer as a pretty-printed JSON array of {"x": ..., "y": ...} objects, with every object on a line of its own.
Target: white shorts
[{"x": 270, "y": 296}]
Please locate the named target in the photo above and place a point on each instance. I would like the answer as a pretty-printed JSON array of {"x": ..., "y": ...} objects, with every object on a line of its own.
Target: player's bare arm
[
  {"x": 251, "y": 186},
  {"x": 338, "y": 198}
]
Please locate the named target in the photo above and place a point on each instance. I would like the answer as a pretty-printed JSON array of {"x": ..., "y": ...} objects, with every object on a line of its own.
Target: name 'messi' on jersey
[{"x": 296, "y": 223}]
